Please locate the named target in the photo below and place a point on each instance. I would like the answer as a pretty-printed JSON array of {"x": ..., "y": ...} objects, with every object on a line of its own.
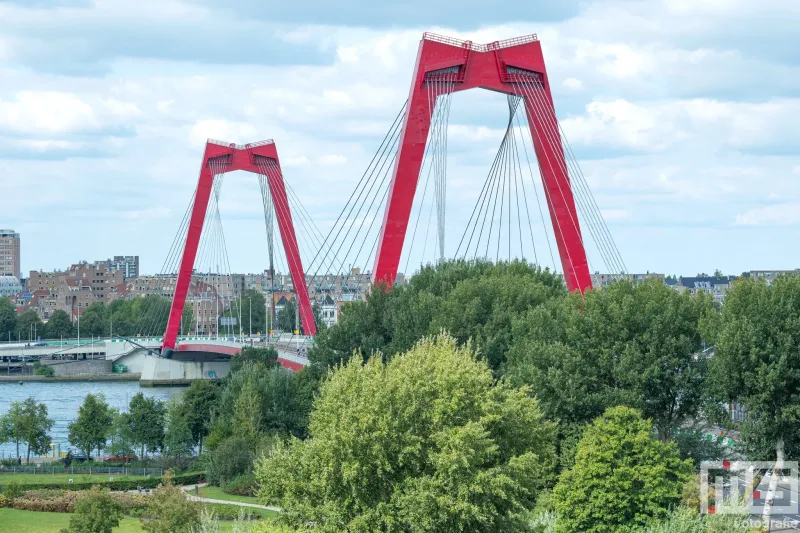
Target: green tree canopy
[
  {"x": 59, "y": 325},
  {"x": 622, "y": 479},
  {"x": 27, "y": 422},
  {"x": 145, "y": 418},
  {"x": 8, "y": 320},
  {"x": 426, "y": 442},
  {"x": 629, "y": 344},
  {"x": 178, "y": 440},
  {"x": 197, "y": 404},
  {"x": 169, "y": 510},
  {"x": 94, "y": 424},
  {"x": 757, "y": 361},
  {"x": 29, "y": 326},
  {"x": 95, "y": 512}
]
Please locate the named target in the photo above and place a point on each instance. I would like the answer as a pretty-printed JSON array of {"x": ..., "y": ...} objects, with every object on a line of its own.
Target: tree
[
  {"x": 629, "y": 344},
  {"x": 95, "y": 512},
  {"x": 198, "y": 403},
  {"x": 121, "y": 443},
  {"x": 251, "y": 304},
  {"x": 59, "y": 325},
  {"x": 145, "y": 418},
  {"x": 169, "y": 510},
  {"x": 286, "y": 318},
  {"x": 178, "y": 441},
  {"x": 622, "y": 479},
  {"x": 91, "y": 429},
  {"x": 757, "y": 363},
  {"x": 428, "y": 441},
  {"x": 27, "y": 422},
  {"x": 8, "y": 319},
  {"x": 93, "y": 320},
  {"x": 266, "y": 356},
  {"x": 29, "y": 326}
]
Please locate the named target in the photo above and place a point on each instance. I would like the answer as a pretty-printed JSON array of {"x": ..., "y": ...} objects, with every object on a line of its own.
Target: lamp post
[{"x": 250, "y": 318}]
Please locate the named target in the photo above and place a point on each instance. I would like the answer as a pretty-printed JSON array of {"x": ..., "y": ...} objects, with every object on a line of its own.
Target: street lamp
[{"x": 250, "y": 319}]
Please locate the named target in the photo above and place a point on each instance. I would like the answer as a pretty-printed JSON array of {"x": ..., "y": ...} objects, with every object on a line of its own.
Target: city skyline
[{"x": 691, "y": 162}]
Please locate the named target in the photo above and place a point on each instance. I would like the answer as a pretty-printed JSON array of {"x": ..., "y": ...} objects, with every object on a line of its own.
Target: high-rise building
[
  {"x": 127, "y": 264},
  {"x": 9, "y": 253}
]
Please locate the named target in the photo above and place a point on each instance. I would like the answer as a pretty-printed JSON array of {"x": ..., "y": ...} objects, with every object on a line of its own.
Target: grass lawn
[
  {"x": 13, "y": 521},
  {"x": 60, "y": 478},
  {"x": 215, "y": 493}
]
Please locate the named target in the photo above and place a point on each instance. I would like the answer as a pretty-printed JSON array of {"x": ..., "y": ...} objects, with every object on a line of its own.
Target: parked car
[
  {"x": 119, "y": 458},
  {"x": 80, "y": 457}
]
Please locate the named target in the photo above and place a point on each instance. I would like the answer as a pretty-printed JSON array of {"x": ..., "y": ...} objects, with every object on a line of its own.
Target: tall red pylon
[
  {"x": 258, "y": 158},
  {"x": 511, "y": 67}
]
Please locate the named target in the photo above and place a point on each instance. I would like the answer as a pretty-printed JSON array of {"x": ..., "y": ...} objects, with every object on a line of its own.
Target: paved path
[{"x": 190, "y": 488}]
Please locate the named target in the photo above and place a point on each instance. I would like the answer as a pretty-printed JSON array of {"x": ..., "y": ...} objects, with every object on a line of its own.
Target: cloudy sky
[{"x": 684, "y": 115}]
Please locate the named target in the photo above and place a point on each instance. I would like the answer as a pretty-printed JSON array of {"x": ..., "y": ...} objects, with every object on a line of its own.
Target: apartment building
[{"x": 10, "y": 253}]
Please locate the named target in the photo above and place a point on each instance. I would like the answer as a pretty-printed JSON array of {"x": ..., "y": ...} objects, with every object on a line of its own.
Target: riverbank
[{"x": 72, "y": 377}]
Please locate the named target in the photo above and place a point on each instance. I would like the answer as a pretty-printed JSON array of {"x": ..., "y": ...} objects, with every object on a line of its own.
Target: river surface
[{"x": 64, "y": 398}]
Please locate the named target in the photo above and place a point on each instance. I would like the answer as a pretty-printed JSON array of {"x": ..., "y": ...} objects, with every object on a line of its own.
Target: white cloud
[
  {"x": 573, "y": 84},
  {"x": 46, "y": 112},
  {"x": 332, "y": 160},
  {"x": 771, "y": 215}
]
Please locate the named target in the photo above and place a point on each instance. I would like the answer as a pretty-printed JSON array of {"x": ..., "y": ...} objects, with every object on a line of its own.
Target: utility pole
[{"x": 250, "y": 319}]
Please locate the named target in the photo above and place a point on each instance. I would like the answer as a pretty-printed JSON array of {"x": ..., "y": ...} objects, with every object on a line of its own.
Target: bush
[
  {"x": 41, "y": 370},
  {"x": 170, "y": 511},
  {"x": 13, "y": 490},
  {"x": 242, "y": 485},
  {"x": 232, "y": 458},
  {"x": 63, "y": 501},
  {"x": 95, "y": 512},
  {"x": 191, "y": 478},
  {"x": 231, "y": 512}
]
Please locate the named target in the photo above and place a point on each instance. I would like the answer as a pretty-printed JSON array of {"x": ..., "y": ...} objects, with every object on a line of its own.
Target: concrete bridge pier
[{"x": 158, "y": 371}]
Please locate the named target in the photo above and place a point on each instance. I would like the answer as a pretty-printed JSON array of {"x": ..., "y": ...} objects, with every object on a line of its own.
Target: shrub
[
  {"x": 63, "y": 501},
  {"x": 170, "y": 511},
  {"x": 3, "y": 501},
  {"x": 13, "y": 490},
  {"x": 95, "y": 512},
  {"x": 117, "y": 485},
  {"x": 232, "y": 458},
  {"x": 242, "y": 485},
  {"x": 41, "y": 370}
]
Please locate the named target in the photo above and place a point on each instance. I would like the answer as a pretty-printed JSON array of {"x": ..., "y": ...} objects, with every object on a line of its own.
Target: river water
[{"x": 64, "y": 398}]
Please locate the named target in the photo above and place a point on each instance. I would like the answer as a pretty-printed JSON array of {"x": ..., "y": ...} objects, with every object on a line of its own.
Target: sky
[{"x": 683, "y": 115}]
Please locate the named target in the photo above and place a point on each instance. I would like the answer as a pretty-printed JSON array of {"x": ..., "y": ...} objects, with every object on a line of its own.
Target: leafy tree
[
  {"x": 29, "y": 325},
  {"x": 251, "y": 304},
  {"x": 121, "y": 443},
  {"x": 198, "y": 403},
  {"x": 472, "y": 299},
  {"x": 91, "y": 429},
  {"x": 8, "y": 319},
  {"x": 427, "y": 442},
  {"x": 629, "y": 344},
  {"x": 286, "y": 318},
  {"x": 757, "y": 363},
  {"x": 59, "y": 325},
  {"x": 27, "y": 422},
  {"x": 233, "y": 457},
  {"x": 169, "y": 510},
  {"x": 266, "y": 356},
  {"x": 145, "y": 418},
  {"x": 93, "y": 320},
  {"x": 95, "y": 512},
  {"x": 622, "y": 478},
  {"x": 178, "y": 440}
]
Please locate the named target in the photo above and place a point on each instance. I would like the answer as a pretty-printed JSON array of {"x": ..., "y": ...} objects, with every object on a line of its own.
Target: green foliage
[
  {"x": 145, "y": 419},
  {"x": 625, "y": 345},
  {"x": 622, "y": 478},
  {"x": 286, "y": 318},
  {"x": 42, "y": 370},
  {"x": 178, "y": 440},
  {"x": 94, "y": 424},
  {"x": 116, "y": 485},
  {"x": 251, "y": 354},
  {"x": 242, "y": 485},
  {"x": 59, "y": 325},
  {"x": 95, "y": 512},
  {"x": 198, "y": 403},
  {"x": 170, "y": 511},
  {"x": 121, "y": 441},
  {"x": 426, "y": 442},
  {"x": 758, "y": 364},
  {"x": 474, "y": 300},
  {"x": 683, "y": 520},
  {"x": 251, "y": 303},
  {"x": 27, "y": 422},
  {"x": 8, "y": 319},
  {"x": 29, "y": 325},
  {"x": 232, "y": 458},
  {"x": 13, "y": 490}
]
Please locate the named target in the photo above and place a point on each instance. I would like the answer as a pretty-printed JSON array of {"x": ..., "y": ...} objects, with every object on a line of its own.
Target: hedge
[{"x": 123, "y": 484}]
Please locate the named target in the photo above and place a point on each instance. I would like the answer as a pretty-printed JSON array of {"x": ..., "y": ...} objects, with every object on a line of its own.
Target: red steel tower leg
[
  {"x": 259, "y": 158},
  {"x": 499, "y": 67}
]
